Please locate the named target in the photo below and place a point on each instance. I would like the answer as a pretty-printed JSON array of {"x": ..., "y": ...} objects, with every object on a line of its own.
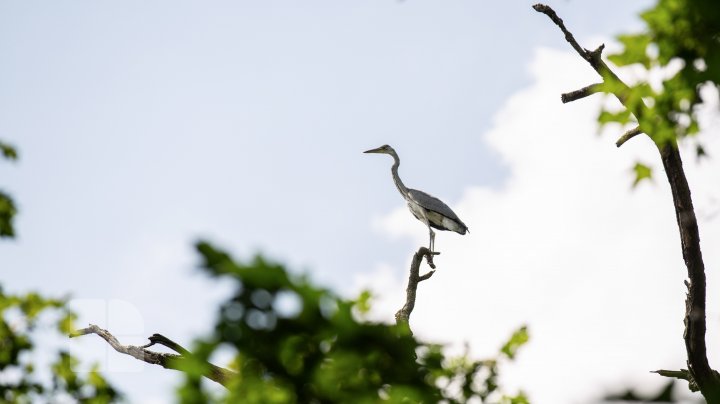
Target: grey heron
[{"x": 426, "y": 208}]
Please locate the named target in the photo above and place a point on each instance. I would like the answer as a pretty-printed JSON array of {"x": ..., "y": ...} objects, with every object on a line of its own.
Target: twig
[
  {"x": 628, "y": 135},
  {"x": 403, "y": 315},
  {"x": 581, "y": 93},
  {"x": 682, "y": 374},
  {"x": 166, "y": 360},
  {"x": 594, "y": 59},
  {"x": 542, "y": 8},
  {"x": 167, "y": 342},
  {"x": 707, "y": 380}
]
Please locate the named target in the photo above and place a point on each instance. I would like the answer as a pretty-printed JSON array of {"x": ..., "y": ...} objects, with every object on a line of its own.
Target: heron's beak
[{"x": 378, "y": 150}]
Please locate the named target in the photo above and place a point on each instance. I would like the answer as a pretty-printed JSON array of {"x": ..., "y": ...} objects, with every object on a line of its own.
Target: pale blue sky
[
  {"x": 144, "y": 125},
  {"x": 244, "y": 121}
]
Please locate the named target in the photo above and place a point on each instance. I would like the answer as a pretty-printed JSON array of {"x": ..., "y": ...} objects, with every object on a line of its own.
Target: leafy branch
[
  {"x": 664, "y": 133},
  {"x": 295, "y": 342}
]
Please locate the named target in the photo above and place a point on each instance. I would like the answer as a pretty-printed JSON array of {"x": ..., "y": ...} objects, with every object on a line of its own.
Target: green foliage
[
  {"x": 7, "y": 206},
  {"x": 7, "y": 214},
  {"x": 297, "y": 343},
  {"x": 642, "y": 172},
  {"x": 635, "y": 50},
  {"x": 20, "y": 315},
  {"x": 621, "y": 117},
  {"x": 518, "y": 339},
  {"x": 687, "y": 34},
  {"x": 8, "y": 151}
]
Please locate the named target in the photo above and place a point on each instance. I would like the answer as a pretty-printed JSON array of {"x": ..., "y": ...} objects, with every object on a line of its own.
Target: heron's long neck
[{"x": 396, "y": 178}]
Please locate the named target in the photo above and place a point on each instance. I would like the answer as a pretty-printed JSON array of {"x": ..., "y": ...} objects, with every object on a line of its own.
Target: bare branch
[
  {"x": 581, "y": 93},
  {"x": 628, "y": 135},
  {"x": 166, "y": 360},
  {"x": 542, "y": 8},
  {"x": 403, "y": 315},
  {"x": 595, "y": 60},
  {"x": 682, "y": 374},
  {"x": 426, "y": 276}
]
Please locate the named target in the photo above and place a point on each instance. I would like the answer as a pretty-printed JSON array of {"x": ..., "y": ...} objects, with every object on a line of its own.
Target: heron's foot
[
  {"x": 429, "y": 259},
  {"x": 429, "y": 254}
]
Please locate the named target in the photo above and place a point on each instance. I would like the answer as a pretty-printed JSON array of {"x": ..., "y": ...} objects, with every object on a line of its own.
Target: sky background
[{"x": 144, "y": 126}]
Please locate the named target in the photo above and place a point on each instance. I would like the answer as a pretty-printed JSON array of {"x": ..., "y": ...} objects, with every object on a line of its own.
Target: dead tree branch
[
  {"x": 166, "y": 360},
  {"x": 699, "y": 371},
  {"x": 681, "y": 374},
  {"x": 403, "y": 315},
  {"x": 594, "y": 58},
  {"x": 581, "y": 93}
]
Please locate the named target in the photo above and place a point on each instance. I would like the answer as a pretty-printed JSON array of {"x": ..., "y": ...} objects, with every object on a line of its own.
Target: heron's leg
[
  {"x": 432, "y": 239},
  {"x": 423, "y": 218}
]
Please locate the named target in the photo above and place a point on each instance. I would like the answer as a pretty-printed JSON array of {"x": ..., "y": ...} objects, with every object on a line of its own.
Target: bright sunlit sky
[{"x": 143, "y": 126}]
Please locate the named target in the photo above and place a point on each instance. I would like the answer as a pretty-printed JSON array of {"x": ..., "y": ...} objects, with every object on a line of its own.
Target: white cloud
[{"x": 565, "y": 246}]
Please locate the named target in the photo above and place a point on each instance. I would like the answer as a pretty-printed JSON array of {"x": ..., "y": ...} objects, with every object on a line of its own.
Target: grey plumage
[
  {"x": 434, "y": 204},
  {"x": 425, "y": 207}
]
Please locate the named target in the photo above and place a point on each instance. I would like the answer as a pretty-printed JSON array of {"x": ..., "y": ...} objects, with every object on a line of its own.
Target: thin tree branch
[
  {"x": 682, "y": 374},
  {"x": 707, "y": 380},
  {"x": 628, "y": 135},
  {"x": 581, "y": 93},
  {"x": 166, "y": 360},
  {"x": 542, "y": 8},
  {"x": 595, "y": 60},
  {"x": 403, "y": 315},
  {"x": 167, "y": 342}
]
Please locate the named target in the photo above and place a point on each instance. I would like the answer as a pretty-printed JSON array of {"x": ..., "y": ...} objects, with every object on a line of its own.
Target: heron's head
[{"x": 384, "y": 149}]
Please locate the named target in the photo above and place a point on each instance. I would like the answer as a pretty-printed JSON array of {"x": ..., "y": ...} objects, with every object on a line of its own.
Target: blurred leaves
[
  {"x": 518, "y": 339},
  {"x": 7, "y": 214},
  {"x": 642, "y": 172},
  {"x": 322, "y": 351},
  {"x": 665, "y": 395},
  {"x": 363, "y": 302},
  {"x": 20, "y": 315},
  {"x": 7, "y": 206},
  {"x": 8, "y": 151},
  {"x": 635, "y": 50},
  {"x": 621, "y": 117}
]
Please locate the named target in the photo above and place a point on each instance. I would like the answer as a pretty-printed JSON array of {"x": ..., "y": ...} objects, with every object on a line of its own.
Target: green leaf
[
  {"x": 621, "y": 117},
  {"x": 8, "y": 151},
  {"x": 520, "y": 398},
  {"x": 518, "y": 339},
  {"x": 7, "y": 214},
  {"x": 642, "y": 172},
  {"x": 66, "y": 325},
  {"x": 363, "y": 302}
]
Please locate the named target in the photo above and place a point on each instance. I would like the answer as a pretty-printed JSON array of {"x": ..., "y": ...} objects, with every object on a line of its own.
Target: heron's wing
[{"x": 434, "y": 204}]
